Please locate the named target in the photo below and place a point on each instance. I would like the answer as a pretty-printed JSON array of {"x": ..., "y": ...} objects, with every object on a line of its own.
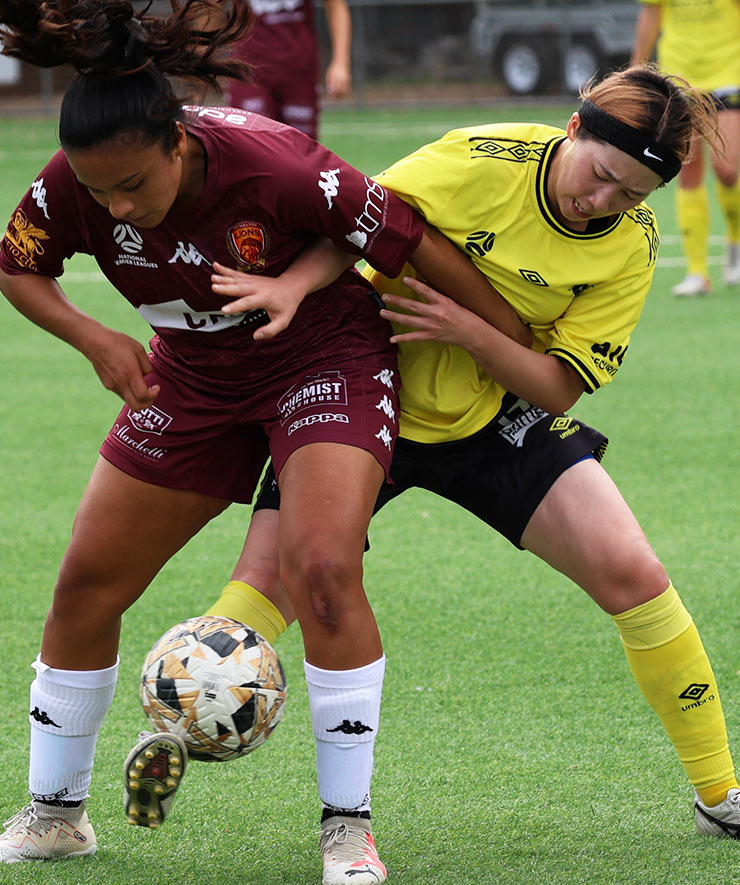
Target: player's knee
[
  {"x": 631, "y": 580},
  {"x": 326, "y": 584}
]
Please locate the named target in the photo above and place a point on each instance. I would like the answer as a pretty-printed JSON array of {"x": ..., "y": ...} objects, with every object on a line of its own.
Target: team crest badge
[{"x": 248, "y": 241}]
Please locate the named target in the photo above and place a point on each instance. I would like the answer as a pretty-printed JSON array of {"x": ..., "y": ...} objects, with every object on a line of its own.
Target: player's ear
[
  {"x": 574, "y": 124},
  {"x": 181, "y": 142}
]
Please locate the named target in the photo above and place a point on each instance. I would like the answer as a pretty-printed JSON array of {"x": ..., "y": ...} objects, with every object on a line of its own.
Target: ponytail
[{"x": 125, "y": 59}]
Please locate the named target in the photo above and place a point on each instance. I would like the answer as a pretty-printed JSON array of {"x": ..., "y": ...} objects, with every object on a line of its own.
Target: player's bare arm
[
  {"x": 648, "y": 26},
  {"x": 441, "y": 263},
  {"x": 119, "y": 360},
  {"x": 538, "y": 378}
]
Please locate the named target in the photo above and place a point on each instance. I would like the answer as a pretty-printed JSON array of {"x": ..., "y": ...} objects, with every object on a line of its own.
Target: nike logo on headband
[{"x": 647, "y": 153}]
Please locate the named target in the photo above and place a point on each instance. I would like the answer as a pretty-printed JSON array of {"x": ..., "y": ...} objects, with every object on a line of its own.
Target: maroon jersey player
[
  {"x": 283, "y": 51},
  {"x": 163, "y": 196}
]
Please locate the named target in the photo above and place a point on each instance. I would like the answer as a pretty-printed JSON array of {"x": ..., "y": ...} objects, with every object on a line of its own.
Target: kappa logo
[
  {"x": 329, "y": 184},
  {"x": 320, "y": 418},
  {"x": 42, "y": 718},
  {"x": 189, "y": 255},
  {"x": 347, "y": 727},
  {"x": 248, "y": 241},
  {"x": 38, "y": 192},
  {"x": 128, "y": 238}
]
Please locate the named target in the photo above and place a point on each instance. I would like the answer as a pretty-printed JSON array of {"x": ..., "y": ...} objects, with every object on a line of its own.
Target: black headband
[{"x": 637, "y": 144}]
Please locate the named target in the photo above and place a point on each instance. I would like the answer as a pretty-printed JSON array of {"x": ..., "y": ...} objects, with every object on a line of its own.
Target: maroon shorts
[
  {"x": 294, "y": 101},
  {"x": 217, "y": 445}
]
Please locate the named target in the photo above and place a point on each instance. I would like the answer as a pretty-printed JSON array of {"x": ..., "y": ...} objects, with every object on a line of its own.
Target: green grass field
[{"x": 515, "y": 747}]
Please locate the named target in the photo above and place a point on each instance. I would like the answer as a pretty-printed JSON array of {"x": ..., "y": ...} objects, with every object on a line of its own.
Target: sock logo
[
  {"x": 348, "y": 727},
  {"x": 50, "y": 798},
  {"x": 42, "y": 718},
  {"x": 694, "y": 691}
]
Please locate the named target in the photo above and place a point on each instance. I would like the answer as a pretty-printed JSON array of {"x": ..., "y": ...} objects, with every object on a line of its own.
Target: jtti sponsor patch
[
  {"x": 324, "y": 387},
  {"x": 150, "y": 420}
]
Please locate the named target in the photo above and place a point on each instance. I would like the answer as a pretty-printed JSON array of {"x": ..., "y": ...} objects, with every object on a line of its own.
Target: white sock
[
  {"x": 67, "y": 710},
  {"x": 345, "y": 712}
]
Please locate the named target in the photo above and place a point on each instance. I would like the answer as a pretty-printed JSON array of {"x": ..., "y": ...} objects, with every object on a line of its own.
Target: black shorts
[{"x": 500, "y": 474}]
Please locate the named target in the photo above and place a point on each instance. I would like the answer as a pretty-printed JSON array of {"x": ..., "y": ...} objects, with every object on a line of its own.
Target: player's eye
[{"x": 133, "y": 187}]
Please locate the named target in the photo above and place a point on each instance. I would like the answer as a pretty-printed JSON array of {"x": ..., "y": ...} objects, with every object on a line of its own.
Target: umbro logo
[
  {"x": 42, "y": 718},
  {"x": 348, "y": 727},
  {"x": 694, "y": 691}
]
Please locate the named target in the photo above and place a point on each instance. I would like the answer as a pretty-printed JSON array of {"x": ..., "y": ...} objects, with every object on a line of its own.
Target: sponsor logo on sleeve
[
  {"x": 608, "y": 358},
  {"x": 248, "y": 241},
  {"x": 38, "y": 192},
  {"x": 372, "y": 218},
  {"x": 329, "y": 184},
  {"x": 24, "y": 240}
]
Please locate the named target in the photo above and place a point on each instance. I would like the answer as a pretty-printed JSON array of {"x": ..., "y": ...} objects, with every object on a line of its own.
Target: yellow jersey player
[
  {"x": 555, "y": 220},
  {"x": 701, "y": 42}
]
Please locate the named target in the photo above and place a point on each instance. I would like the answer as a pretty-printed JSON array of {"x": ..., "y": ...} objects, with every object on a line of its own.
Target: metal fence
[{"x": 427, "y": 50}]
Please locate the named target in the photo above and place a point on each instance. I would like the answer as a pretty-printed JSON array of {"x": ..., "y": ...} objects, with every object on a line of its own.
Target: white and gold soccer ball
[{"x": 216, "y": 684}]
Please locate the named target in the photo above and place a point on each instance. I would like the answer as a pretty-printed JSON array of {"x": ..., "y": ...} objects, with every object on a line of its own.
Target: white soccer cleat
[
  {"x": 719, "y": 820},
  {"x": 151, "y": 775},
  {"x": 47, "y": 832},
  {"x": 348, "y": 852},
  {"x": 692, "y": 286},
  {"x": 731, "y": 270}
]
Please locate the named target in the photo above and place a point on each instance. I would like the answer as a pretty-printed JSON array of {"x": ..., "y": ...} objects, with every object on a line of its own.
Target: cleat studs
[
  {"x": 159, "y": 789},
  {"x": 140, "y": 764},
  {"x": 133, "y": 772},
  {"x": 174, "y": 760},
  {"x": 175, "y": 771},
  {"x": 133, "y": 785},
  {"x": 150, "y": 754},
  {"x": 171, "y": 782}
]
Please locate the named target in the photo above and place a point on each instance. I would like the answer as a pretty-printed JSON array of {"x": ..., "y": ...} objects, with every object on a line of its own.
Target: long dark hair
[{"x": 125, "y": 60}]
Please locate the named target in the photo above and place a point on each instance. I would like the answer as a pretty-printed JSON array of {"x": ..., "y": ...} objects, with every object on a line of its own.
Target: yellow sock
[
  {"x": 692, "y": 208},
  {"x": 673, "y": 672},
  {"x": 729, "y": 201},
  {"x": 243, "y": 603}
]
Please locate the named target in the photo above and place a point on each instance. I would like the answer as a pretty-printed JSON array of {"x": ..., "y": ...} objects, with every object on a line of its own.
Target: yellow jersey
[
  {"x": 700, "y": 41},
  {"x": 581, "y": 293}
]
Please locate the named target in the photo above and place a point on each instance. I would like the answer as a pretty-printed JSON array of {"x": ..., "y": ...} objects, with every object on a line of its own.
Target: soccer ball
[{"x": 216, "y": 684}]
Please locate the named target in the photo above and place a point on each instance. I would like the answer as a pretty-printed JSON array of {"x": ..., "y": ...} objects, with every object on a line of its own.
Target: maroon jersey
[
  {"x": 269, "y": 191},
  {"x": 282, "y": 43}
]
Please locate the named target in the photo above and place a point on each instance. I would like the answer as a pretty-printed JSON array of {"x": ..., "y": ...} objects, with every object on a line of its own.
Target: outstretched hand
[
  {"x": 254, "y": 291},
  {"x": 436, "y": 318}
]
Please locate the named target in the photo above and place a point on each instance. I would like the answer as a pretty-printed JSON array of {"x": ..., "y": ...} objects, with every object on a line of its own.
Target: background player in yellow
[
  {"x": 701, "y": 42},
  {"x": 555, "y": 219}
]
